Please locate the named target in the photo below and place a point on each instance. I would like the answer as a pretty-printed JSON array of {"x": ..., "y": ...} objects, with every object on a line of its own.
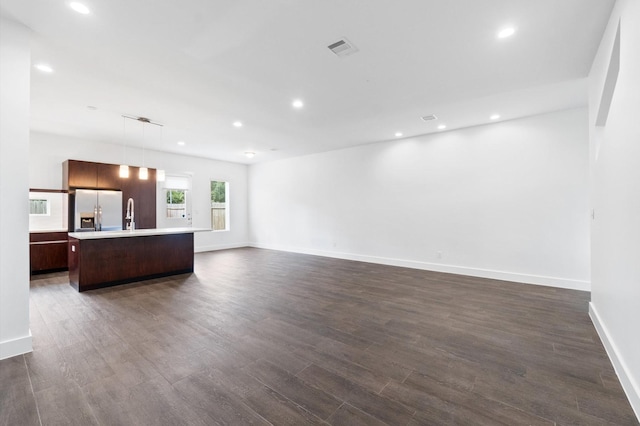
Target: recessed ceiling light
[
  {"x": 44, "y": 68},
  {"x": 79, "y": 7},
  {"x": 250, "y": 154},
  {"x": 442, "y": 127},
  {"x": 182, "y": 143},
  {"x": 398, "y": 134},
  {"x": 297, "y": 103},
  {"x": 495, "y": 116},
  {"x": 506, "y": 32},
  {"x": 237, "y": 123}
]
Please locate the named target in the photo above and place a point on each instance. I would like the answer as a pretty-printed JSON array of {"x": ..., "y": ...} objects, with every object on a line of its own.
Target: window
[
  {"x": 219, "y": 205},
  {"x": 39, "y": 207},
  {"x": 176, "y": 203},
  {"x": 48, "y": 210}
]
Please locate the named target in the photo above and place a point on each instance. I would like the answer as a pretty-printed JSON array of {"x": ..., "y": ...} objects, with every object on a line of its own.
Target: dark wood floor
[{"x": 265, "y": 337}]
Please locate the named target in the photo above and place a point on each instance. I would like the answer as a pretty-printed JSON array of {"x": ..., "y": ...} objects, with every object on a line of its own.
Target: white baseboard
[
  {"x": 631, "y": 388},
  {"x": 19, "y": 346},
  {"x": 438, "y": 267},
  {"x": 215, "y": 247}
]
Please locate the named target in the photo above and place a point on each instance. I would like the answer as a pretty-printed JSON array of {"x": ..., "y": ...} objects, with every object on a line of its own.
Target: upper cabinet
[
  {"x": 85, "y": 174},
  {"x": 79, "y": 174},
  {"x": 108, "y": 176},
  {"x": 88, "y": 175}
]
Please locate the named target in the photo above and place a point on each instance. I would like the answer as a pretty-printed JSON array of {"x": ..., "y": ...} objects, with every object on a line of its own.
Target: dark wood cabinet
[
  {"x": 144, "y": 197},
  {"x": 79, "y": 174},
  {"x": 89, "y": 175},
  {"x": 146, "y": 202},
  {"x": 108, "y": 176},
  {"x": 47, "y": 251},
  {"x": 96, "y": 263}
]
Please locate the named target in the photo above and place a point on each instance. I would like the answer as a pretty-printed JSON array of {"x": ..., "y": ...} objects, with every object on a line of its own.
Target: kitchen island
[{"x": 107, "y": 258}]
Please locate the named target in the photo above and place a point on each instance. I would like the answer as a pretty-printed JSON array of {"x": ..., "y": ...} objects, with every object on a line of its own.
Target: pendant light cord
[
  {"x": 143, "y": 163},
  {"x": 124, "y": 140}
]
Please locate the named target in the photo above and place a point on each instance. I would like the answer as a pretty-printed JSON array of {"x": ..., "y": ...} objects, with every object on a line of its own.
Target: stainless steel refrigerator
[{"x": 96, "y": 210}]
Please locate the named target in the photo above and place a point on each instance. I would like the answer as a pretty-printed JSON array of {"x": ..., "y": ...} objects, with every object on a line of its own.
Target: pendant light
[
  {"x": 124, "y": 169},
  {"x": 143, "y": 172}
]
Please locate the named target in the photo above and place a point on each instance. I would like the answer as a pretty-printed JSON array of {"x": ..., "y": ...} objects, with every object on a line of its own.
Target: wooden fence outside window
[{"x": 218, "y": 216}]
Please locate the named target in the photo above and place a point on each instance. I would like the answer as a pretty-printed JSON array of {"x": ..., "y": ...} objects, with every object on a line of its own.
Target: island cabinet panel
[
  {"x": 47, "y": 252},
  {"x": 96, "y": 263},
  {"x": 168, "y": 253}
]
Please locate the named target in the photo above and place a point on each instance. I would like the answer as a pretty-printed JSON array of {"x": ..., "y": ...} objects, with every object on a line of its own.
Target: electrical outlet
[{"x": 439, "y": 254}]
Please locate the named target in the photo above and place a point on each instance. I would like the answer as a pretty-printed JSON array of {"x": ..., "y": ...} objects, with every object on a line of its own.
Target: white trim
[
  {"x": 627, "y": 381},
  {"x": 201, "y": 249},
  {"x": 19, "y": 346},
  {"x": 438, "y": 267}
]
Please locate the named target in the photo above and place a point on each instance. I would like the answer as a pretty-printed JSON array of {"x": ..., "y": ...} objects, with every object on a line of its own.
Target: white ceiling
[{"x": 196, "y": 66}]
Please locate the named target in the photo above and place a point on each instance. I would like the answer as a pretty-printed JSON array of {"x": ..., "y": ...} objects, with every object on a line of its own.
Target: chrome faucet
[{"x": 131, "y": 224}]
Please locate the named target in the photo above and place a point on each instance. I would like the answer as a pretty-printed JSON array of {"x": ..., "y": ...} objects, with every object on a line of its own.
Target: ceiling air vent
[
  {"x": 343, "y": 47},
  {"x": 430, "y": 117}
]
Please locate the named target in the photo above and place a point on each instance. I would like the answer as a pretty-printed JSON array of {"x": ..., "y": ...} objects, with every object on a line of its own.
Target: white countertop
[{"x": 135, "y": 233}]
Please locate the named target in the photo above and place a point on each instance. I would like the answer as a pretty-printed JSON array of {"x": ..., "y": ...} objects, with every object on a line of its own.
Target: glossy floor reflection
[{"x": 265, "y": 337}]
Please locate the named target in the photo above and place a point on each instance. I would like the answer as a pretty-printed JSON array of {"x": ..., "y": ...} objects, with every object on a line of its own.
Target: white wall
[
  {"x": 615, "y": 177},
  {"x": 507, "y": 200},
  {"x": 15, "y": 57},
  {"x": 49, "y": 151}
]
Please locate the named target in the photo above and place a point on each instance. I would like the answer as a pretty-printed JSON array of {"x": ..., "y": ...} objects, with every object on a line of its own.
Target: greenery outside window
[
  {"x": 176, "y": 203},
  {"x": 219, "y": 205}
]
